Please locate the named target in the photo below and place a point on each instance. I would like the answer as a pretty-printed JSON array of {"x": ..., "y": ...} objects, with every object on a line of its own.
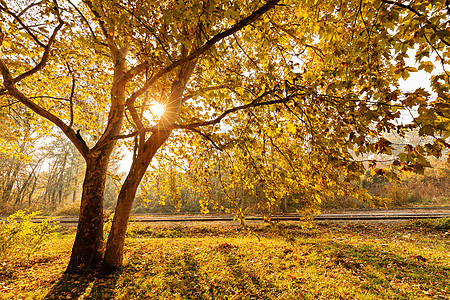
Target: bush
[
  {"x": 71, "y": 209},
  {"x": 442, "y": 224},
  {"x": 21, "y": 238}
]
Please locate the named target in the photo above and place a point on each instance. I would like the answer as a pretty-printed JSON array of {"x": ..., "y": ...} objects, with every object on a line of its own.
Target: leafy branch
[
  {"x": 417, "y": 13},
  {"x": 215, "y": 145},
  {"x": 46, "y": 47},
  {"x": 87, "y": 22},
  {"x": 9, "y": 81},
  {"x": 195, "y": 54}
]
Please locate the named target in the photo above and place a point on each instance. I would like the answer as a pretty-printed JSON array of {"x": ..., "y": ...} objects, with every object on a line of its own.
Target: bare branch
[
  {"x": 72, "y": 92},
  {"x": 49, "y": 97}
]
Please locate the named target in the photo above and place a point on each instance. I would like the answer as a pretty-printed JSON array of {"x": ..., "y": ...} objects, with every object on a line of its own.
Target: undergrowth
[{"x": 20, "y": 237}]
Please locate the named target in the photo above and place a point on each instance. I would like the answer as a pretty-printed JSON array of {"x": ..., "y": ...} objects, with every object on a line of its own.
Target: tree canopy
[{"x": 281, "y": 97}]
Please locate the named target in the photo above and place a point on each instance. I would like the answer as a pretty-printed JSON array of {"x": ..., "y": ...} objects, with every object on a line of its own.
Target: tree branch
[
  {"x": 289, "y": 32},
  {"x": 72, "y": 93},
  {"x": 87, "y": 22},
  {"x": 47, "y": 49},
  {"x": 206, "y": 137},
  {"x": 49, "y": 97},
  {"x": 27, "y": 28},
  {"x": 149, "y": 29},
  {"x": 282, "y": 153},
  {"x": 254, "y": 103},
  {"x": 14, "y": 92},
  {"x": 246, "y": 54},
  {"x": 99, "y": 19},
  {"x": 206, "y": 89},
  {"x": 9, "y": 104},
  {"x": 205, "y": 47},
  {"x": 28, "y": 7}
]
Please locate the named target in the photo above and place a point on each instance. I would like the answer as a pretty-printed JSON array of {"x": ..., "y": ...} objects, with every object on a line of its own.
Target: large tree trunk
[{"x": 87, "y": 250}]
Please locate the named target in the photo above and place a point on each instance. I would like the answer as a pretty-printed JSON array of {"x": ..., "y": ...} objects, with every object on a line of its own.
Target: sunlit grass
[{"x": 356, "y": 261}]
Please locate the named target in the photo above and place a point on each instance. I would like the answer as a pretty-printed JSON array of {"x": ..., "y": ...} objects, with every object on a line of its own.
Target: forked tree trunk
[{"x": 87, "y": 251}]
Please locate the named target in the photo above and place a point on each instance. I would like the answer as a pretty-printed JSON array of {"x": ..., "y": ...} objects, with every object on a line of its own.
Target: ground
[{"x": 402, "y": 260}]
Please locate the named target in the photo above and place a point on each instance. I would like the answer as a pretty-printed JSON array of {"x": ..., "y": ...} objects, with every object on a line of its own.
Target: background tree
[
  {"x": 286, "y": 90},
  {"x": 19, "y": 160}
]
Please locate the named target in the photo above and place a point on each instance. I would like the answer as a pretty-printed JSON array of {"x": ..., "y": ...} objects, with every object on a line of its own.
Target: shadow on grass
[
  {"x": 250, "y": 285},
  {"x": 183, "y": 276},
  {"x": 81, "y": 287},
  {"x": 380, "y": 265}
]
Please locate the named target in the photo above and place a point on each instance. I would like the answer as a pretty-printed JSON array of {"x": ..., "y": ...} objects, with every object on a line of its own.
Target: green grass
[{"x": 328, "y": 261}]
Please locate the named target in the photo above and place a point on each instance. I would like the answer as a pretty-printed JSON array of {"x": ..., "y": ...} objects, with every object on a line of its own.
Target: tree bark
[
  {"x": 87, "y": 250},
  {"x": 116, "y": 240}
]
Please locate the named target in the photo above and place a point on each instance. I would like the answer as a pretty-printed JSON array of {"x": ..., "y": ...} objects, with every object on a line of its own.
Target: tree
[
  {"x": 19, "y": 162},
  {"x": 65, "y": 166},
  {"x": 287, "y": 89}
]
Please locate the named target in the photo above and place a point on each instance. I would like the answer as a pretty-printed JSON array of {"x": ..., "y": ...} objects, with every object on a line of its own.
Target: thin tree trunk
[
  {"x": 30, "y": 195},
  {"x": 27, "y": 183},
  {"x": 11, "y": 180},
  {"x": 116, "y": 240},
  {"x": 74, "y": 194}
]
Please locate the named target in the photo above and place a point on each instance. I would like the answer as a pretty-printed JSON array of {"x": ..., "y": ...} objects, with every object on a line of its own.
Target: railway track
[{"x": 354, "y": 215}]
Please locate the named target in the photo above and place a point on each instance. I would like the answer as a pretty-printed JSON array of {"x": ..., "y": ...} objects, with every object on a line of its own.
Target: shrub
[
  {"x": 71, "y": 209},
  {"x": 20, "y": 237},
  {"x": 442, "y": 224},
  {"x": 108, "y": 223}
]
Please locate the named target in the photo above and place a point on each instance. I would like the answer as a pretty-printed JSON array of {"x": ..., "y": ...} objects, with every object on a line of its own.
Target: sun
[{"x": 156, "y": 110}]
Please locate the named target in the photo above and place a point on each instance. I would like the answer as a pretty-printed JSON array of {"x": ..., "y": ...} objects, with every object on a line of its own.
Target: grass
[{"x": 329, "y": 261}]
